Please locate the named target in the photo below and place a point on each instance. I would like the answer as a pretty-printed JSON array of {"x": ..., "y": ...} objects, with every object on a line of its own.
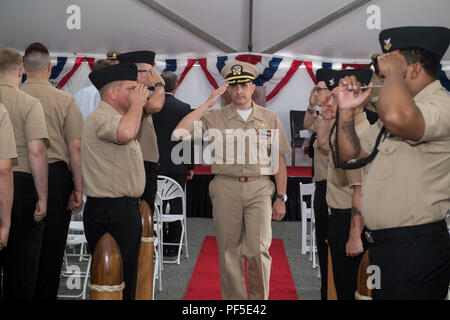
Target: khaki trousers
[{"x": 242, "y": 213}]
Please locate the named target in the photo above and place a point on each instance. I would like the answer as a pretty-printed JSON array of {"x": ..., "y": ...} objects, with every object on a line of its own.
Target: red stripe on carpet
[{"x": 205, "y": 280}]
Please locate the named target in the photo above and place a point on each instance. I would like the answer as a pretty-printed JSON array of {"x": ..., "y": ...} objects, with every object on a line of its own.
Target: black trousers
[
  {"x": 20, "y": 258},
  {"x": 151, "y": 184},
  {"x": 173, "y": 230},
  {"x": 345, "y": 269},
  {"x": 54, "y": 239},
  {"x": 321, "y": 216},
  {"x": 414, "y": 262},
  {"x": 121, "y": 218}
]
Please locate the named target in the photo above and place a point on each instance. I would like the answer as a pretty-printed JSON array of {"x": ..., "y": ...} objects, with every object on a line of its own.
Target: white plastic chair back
[
  {"x": 169, "y": 189},
  {"x": 307, "y": 213}
]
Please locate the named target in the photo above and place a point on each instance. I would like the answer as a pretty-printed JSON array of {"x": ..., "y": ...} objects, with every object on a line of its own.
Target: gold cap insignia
[
  {"x": 387, "y": 44},
  {"x": 236, "y": 70},
  {"x": 332, "y": 82}
]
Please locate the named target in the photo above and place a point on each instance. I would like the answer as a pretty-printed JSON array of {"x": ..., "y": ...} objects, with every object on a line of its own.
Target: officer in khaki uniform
[
  {"x": 20, "y": 258},
  {"x": 345, "y": 226},
  {"x": 406, "y": 193},
  {"x": 7, "y": 155},
  {"x": 240, "y": 193},
  {"x": 112, "y": 164},
  {"x": 65, "y": 125},
  {"x": 311, "y": 122},
  {"x": 147, "y": 136}
]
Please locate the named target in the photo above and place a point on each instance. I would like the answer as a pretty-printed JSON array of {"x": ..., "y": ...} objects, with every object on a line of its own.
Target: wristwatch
[
  {"x": 282, "y": 197},
  {"x": 159, "y": 84}
]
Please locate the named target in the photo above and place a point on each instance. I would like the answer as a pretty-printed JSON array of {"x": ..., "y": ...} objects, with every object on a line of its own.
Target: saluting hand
[
  {"x": 155, "y": 77},
  {"x": 216, "y": 94},
  {"x": 41, "y": 210},
  {"x": 139, "y": 95},
  {"x": 349, "y": 95},
  {"x": 390, "y": 63},
  {"x": 313, "y": 97}
]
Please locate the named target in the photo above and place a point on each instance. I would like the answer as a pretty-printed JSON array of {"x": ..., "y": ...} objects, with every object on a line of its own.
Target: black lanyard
[{"x": 351, "y": 164}]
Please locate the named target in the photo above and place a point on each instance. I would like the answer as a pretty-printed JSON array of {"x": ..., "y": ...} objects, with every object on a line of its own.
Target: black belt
[
  {"x": 406, "y": 232},
  {"x": 123, "y": 201},
  {"x": 332, "y": 211}
]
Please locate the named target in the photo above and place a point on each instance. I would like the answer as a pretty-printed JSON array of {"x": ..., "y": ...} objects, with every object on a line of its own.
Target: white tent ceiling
[{"x": 132, "y": 25}]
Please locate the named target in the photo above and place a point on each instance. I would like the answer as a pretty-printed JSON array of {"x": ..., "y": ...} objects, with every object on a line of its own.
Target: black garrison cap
[
  {"x": 116, "y": 72},
  {"x": 362, "y": 75},
  {"x": 324, "y": 75},
  {"x": 433, "y": 39},
  {"x": 137, "y": 57}
]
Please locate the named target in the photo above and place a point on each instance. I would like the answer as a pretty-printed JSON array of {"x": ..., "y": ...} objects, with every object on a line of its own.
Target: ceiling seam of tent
[
  {"x": 316, "y": 26},
  {"x": 189, "y": 26}
]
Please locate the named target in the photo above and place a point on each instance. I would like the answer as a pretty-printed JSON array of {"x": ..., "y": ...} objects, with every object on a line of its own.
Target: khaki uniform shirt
[
  {"x": 147, "y": 139},
  {"x": 62, "y": 115},
  {"x": 7, "y": 143},
  {"x": 249, "y": 159},
  {"x": 320, "y": 156},
  {"x": 27, "y": 118},
  {"x": 110, "y": 169},
  {"x": 340, "y": 181},
  {"x": 408, "y": 183}
]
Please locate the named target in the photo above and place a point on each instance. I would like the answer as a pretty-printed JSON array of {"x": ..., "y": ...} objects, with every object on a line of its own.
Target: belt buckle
[
  {"x": 329, "y": 211},
  {"x": 243, "y": 179},
  {"x": 369, "y": 237}
]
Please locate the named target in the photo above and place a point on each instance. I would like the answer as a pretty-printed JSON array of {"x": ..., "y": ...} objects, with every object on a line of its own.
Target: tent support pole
[
  {"x": 316, "y": 26},
  {"x": 189, "y": 26},
  {"x": 250, "y": 28}
]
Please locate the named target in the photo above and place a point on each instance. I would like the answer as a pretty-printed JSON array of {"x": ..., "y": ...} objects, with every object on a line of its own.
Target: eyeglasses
[{"x": 244, "y": 85}]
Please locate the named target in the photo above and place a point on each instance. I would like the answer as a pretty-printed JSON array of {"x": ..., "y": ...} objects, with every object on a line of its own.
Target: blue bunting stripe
[
  {"x": 327, "y": 65},
  {"x": 445, "y": 82},
  {"x": 56, "y": 69},
  {"x": 268, "y": 72},
  {"x": 221, "y": 62},
  {"x": 171, "y": 65}
]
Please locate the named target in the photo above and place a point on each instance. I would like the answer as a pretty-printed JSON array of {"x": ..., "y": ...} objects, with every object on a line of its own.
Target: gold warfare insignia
[
  {"x": 332, "y": 82},
  {"x": 236, "y": 70},
  {"x": 387, "y": 44}
]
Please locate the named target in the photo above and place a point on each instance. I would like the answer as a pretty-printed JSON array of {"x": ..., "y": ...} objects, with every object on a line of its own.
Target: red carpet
[
  {"x": 205, "y": 280},
  {"x": 291, "y": 171}
]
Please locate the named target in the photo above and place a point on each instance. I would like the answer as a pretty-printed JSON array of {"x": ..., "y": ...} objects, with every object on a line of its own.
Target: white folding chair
[
  {"x": 308, "y": 236},
  {"x": 77, "y": 243},
  {"x": 169, "y": 189}
]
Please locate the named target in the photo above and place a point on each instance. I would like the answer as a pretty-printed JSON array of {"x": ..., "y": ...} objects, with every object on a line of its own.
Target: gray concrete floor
[{"x": 175, "y": 278}]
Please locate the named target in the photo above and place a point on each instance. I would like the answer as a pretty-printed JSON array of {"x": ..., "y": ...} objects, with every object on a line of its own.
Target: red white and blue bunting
[{"x": 71, "y": 73}]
